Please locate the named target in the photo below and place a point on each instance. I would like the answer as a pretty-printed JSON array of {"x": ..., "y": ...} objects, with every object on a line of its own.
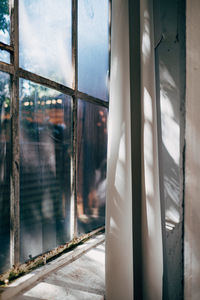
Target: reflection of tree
[
  {"x": 4, "y": 171},
  {"x": 4, "y": 11}
]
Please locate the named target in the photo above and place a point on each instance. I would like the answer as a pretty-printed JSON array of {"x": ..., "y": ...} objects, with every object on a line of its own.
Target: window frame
[{"x": 16, "y": 73}]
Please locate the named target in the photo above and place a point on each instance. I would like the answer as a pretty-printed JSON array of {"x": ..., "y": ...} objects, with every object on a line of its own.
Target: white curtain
[
  {"x": 119, "y": 254},
  {"x": 119, "y": 216}
]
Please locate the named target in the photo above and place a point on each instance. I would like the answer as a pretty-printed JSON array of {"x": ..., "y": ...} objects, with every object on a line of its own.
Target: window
[{"x": 54, "y": 71}]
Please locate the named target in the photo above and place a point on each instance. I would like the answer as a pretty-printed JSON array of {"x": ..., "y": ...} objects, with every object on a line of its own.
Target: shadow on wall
[
  {"x": 170, "y": 115},
  {"x": 119, "y": 160},
  {"x": 172, "y": 141},
  {"x": 170, "y": 86}
]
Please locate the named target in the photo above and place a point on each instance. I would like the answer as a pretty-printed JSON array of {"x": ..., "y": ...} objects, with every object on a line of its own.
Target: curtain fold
[
  {"x": 151, "y": 210},
  {"x": 121, "y": 186},
  {"x": 119, "y": 252}
]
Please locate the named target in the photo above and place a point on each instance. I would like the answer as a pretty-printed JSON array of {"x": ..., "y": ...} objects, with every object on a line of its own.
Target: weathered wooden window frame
[{"x": 16, "y": 72}]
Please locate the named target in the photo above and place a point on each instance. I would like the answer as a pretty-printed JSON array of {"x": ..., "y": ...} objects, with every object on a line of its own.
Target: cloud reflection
[{"x": 48, "y": 51}]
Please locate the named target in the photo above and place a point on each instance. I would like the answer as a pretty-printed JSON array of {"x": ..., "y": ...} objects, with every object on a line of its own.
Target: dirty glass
[
  {"x": 45, "y": 39},
  {"x": 4, "y": 22},
  {"x": 93, "y": 52},
  {"x": 5, "y": 165},
  {"x": 4, "y": 56},
  {"x": 45, "y": 151},
  {"x": 91, "y": 166}
]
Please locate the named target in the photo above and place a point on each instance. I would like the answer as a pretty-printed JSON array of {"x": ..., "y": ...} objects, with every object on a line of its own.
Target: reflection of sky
[
  {"x": 45, "y": 38},
  {"x": 4, "y": 91},
  {"x": 28, "y": 90},
  {"x": 45, "y": 42},
  {"x": 4, "y": 35},
  {"x": 93, "y": 46},
  {"x": 4, "y": 56}
]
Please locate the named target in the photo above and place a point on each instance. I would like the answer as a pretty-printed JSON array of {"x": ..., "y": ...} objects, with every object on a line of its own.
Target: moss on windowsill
[{"x": 20, "y": 270}]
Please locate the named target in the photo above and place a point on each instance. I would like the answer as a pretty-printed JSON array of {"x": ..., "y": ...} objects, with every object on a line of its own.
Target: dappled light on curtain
[{"x": 151, "y": 209}]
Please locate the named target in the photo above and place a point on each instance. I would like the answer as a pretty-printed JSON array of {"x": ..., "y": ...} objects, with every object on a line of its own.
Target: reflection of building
[
  {"x": 45, "y": 153},
  {"x": 92, "y": 151},
  {"x": 45, "y": 171}
]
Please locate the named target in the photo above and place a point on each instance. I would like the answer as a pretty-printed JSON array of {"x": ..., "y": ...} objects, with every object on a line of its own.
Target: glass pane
[
  {"x": 5, "y": 165},
  {"x": 91, "y": 162},
  {"x": 45, "y": 38},
  {"x": 4, "y": 56},
  {"x": 45, "y": 150},
  {"x": 93, "y": 53},
  {"x": 4, "y": 22}
]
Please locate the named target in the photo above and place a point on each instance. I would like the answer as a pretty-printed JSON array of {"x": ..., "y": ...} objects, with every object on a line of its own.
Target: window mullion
[
  {"x": 74, "y": 43},
  {"x": 6, "y": 47},
  {"x": 15, "y": 189},
  {"x": 45, "y": 81},
  {"x": 91, "y": 99},
  {"x": 4, "y": 67},
  {"x": 74, "y": 121}
]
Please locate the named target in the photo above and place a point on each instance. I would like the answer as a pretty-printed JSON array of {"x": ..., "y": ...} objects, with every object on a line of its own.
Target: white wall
[
  {"x": 170, "y": 77},
  {"x": 192, "y": 165}
]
